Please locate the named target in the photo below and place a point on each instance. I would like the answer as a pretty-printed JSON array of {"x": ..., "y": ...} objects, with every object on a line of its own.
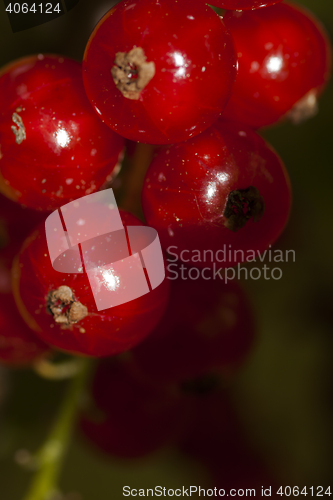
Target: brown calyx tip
[
  {"x": 19, "y": 132},
  {"x": 64, "y": 308},
  {"x": 305, "y": 108},
  {"x": 131, "y": 72},
  {"x": 242, "y": 205}
]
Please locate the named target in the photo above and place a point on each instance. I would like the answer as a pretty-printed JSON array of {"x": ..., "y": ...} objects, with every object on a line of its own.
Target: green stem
[
  {"x": 46, "y": 368},
  {"x": 50, "y": 457}
]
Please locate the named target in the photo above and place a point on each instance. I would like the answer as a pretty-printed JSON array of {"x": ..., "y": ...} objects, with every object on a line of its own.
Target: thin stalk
[{"x": 50, "y": 457}]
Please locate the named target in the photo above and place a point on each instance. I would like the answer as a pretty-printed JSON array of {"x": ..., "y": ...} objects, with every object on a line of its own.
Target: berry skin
[
  {"x": 225, "y": 190},
  {"x": 61, "y": 308},
  {"x": 159, "y": 72},
  {"x": 242, "y": 4},
  {"x": 48, "y": 129},
  {"x": 208, "y": 328},
  {"x": 284, "y": 61},
  {"x": 131, "y": 416}
]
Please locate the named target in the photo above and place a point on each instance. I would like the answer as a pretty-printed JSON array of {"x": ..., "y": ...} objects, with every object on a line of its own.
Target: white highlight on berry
[
  {"x": 274, "y": 64},
  {"x": 62, "y": 137}
]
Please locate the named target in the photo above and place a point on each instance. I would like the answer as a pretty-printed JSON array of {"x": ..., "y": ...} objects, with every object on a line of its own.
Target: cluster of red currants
[{"x": 176, "y": 74}]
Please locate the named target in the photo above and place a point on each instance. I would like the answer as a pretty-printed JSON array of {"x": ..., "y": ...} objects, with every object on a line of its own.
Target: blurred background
[{"x": 283, "y": 395}]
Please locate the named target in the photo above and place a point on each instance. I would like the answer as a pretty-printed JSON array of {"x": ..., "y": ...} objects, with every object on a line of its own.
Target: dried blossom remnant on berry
[
  {"x": 305, "y": 108},
  {"x": 19, "y": 132},
  {"x": 131, "y": 72},
  {"x": 64, "y": 308},
  {"x": 242, "y": 205}
]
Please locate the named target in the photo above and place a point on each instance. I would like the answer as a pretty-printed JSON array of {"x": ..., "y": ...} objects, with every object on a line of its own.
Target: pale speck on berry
[
  {"x": 19, "y": 132},
  {"x": 254, "y": 66},
  {"x": 21, "y": 89}
]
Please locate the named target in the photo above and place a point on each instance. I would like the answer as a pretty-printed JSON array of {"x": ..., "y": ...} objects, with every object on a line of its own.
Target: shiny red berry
[
  {"x": 131, "y": 415},
  {"x": 208, "y": 328},
  {"x": 159, "y": 72},
  {"x": 222, "y": 197},
  {"x": 62, "y": 311},
  {"x": 242, "y": 4},
  {"x": 284, "y": 60},
  {"x": 53, "y": 147}
]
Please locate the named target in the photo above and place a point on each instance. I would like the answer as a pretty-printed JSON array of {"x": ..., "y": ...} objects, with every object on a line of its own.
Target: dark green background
[{"x": 285, "y": 393}]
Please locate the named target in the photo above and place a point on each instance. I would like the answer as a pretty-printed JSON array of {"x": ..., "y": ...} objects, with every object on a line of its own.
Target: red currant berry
[
  {"x": 214, "y": 427},
  {"x": 284, "y": 61},
  {"x": 242, "y": 4},
  {"x": 159, "y": 72},
  {"x": 48, "y": 126},
  {"x": 208, "y": 328},
  {"x": 217, "y": 439},
  {"x": 220, "y": 198},
  {"x": 132, "y": 416},
  {"x": 61, "y": 308}
]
